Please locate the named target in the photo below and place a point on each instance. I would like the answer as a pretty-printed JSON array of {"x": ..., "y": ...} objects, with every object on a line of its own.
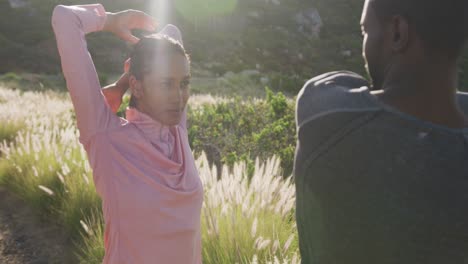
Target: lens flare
[{"x": 160, "y": 10}]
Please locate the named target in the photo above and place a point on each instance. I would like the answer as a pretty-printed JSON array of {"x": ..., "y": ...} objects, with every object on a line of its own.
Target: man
[{"x": 382, "y": 176}]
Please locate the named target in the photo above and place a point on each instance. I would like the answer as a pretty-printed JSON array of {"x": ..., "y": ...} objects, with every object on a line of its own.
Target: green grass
[
  {"x": 32, "y": 82},
  {"x": 8, "y": 131}
]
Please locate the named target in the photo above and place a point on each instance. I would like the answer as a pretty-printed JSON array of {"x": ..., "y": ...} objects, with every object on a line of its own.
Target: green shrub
[
  {"x": 10, "y": 77},
  {"x": 103, "y": 79},
  {"x": 243, "y": 130}
]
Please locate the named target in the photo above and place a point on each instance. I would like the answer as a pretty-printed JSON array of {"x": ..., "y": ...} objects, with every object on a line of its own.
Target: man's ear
[
  {"x": 136, "y": 87},
  {"x": 400, "y": 34}
]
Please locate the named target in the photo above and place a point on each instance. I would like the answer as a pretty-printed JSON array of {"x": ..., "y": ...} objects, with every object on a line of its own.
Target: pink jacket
[{"x": 144, "y": 172}]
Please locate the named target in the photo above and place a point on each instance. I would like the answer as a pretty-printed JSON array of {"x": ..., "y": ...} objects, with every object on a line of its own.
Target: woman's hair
[{"x": 147, "y": 50}]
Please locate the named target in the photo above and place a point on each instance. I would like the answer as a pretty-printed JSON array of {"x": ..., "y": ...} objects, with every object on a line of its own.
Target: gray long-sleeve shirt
[{"x": 375, "y": 185}]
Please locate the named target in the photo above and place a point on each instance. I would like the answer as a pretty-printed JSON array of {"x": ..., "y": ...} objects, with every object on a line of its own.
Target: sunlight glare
[
  {"x": 194, "y": 10},
  {"x": 159, "y": 9}
]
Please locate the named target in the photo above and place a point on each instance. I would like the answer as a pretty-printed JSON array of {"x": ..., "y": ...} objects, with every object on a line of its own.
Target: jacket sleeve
[{"x": 70, "y": 25}]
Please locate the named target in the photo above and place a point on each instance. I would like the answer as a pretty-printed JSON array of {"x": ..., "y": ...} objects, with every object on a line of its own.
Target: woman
[{"x": 143, "y": 166}]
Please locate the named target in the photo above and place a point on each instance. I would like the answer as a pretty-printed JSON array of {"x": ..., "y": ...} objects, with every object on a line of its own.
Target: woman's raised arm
[{"x": 71, "y": 24}]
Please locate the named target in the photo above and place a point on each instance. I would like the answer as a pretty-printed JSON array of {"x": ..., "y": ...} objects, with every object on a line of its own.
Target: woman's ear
[{"x": 136, "y": 87}]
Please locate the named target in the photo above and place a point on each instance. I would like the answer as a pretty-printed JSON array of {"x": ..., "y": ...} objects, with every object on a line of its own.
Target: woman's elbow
[{"x": 59, "y": 15}]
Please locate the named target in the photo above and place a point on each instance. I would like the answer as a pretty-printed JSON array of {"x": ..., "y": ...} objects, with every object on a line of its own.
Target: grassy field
[
  {"x": 230, "y": 85},
  {"x": 42, "y": 161}
]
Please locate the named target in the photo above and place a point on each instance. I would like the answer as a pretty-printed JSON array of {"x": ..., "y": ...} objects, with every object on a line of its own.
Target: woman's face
[{"x": 165, "y": 90}]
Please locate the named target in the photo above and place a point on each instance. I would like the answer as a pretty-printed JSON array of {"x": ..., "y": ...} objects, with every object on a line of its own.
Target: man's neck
[{"x": 429, "y": 94}]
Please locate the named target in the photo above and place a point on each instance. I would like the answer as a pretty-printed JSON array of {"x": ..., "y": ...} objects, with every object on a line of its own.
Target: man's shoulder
[{"x": 339, "y": 91}]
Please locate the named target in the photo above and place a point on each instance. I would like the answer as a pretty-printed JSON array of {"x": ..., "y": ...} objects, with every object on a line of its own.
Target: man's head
[
  {"x": 159, "y": 78},
  {"x": 398, "y": 32}
]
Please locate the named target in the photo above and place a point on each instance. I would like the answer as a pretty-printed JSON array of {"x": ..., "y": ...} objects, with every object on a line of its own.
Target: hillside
[{"x": 287, "y": 41}]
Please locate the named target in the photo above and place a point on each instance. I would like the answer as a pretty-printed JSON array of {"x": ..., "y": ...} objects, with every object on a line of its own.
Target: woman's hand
[
  {"x": 114, "y": 92},
  {"x": 123, "y": 22}
]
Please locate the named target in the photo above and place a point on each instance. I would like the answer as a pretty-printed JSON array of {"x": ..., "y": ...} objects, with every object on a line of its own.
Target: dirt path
[{"x": 25, "y": 239}]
